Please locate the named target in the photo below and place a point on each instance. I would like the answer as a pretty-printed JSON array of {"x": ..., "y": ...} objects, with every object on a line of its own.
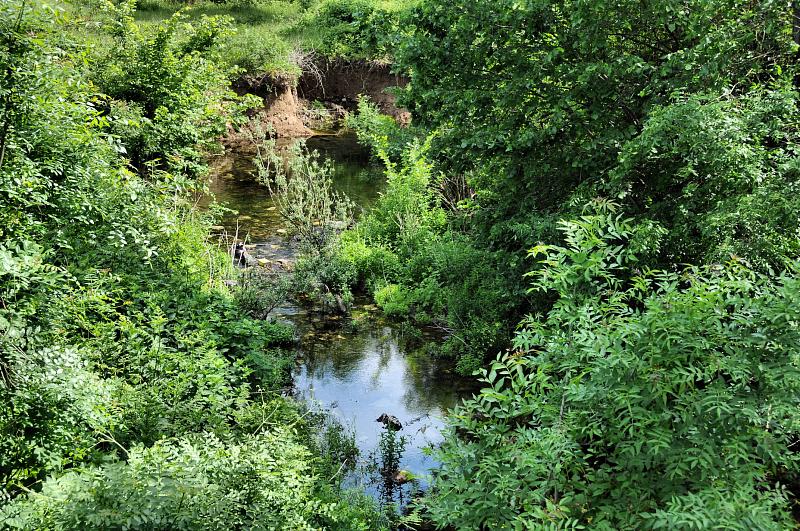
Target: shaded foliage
[
  {"x": 133, "y": 391},
  {"x": 667, "y": 100},
  {"x": 644, "y": 399}
]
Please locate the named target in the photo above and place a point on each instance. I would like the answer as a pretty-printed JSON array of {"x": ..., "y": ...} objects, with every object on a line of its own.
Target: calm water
[
  {"x": 355, "y": 367},
  {"x": 234, "y": 185}
]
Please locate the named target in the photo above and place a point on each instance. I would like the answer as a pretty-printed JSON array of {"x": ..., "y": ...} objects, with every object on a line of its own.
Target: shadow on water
[{"x": 356, "y": 367}]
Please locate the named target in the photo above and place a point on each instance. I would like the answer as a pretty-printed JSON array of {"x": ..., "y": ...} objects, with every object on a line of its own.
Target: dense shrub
[
  {"x": 357, "y": 29},
  {"x": 255, "y": 50},
  {"x": 381, "y": 133},
  {"x": 201, "y": 483},
  {"x": 407, "y": 254},
  {"x": 685, "y": 108},
  {"x": 643, "y": 400},
  {"x": 690, "y": 125},
  {"x": 393, "y": 300},
  {"x": 165, "y": 88}
]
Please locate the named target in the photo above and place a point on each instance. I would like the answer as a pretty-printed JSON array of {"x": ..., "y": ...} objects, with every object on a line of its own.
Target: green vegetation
[
  {"x": 134, "y": 393},
  {"x": 277, "y": 36},
  {"x": 641, "y": 391},
  {"x": 687, "y": 118},
  {"x": 643, "y": 400},
  {"x": 597, "y": 203},
  {"x": 303, "y": 191}
]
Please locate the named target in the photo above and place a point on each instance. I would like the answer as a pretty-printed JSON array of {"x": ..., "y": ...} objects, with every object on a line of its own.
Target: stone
[
  {"x": 402, "y": 477},
  {"x": 390, "y": 421}
]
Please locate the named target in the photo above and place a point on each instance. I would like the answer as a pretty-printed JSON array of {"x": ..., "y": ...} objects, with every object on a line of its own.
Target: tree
[{"x": 549, "y": 97}]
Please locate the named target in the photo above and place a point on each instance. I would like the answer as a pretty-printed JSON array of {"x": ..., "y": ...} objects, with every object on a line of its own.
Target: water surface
[
  {"x": 234, "y": 184},
  {"x": 360, "y": 366}
]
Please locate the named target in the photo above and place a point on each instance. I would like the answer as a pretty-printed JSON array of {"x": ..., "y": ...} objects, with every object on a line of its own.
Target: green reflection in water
[{"x": 234, "y": 185}]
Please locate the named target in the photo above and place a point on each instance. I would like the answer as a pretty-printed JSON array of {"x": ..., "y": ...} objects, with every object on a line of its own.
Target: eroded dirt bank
[
  {"x": 341, "y": 83},
  {"x": 322, "y": 96},
  {"x": 283, "y": 110}
]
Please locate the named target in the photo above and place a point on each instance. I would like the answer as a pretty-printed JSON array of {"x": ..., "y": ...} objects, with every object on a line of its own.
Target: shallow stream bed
[{"x": 359, "y": 366}]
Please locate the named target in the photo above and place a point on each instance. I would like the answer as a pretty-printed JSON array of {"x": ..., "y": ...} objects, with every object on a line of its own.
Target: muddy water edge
[{"x": 355, "y": 367}]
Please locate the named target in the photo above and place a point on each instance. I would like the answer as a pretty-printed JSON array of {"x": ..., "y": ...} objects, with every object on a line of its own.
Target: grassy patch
[{"x": 272, "y": 36}]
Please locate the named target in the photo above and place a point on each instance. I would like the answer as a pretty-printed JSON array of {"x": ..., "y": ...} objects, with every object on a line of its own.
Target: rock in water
[
  {"x": 402, "y": 477},
  {"x": 390, "y": 421},
  {"x": 241, "y": 257}
]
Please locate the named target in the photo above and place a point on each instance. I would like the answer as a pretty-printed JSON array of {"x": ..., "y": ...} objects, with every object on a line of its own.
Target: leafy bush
[
  {"x": 356, "y": 29},
  {"x": 372, "y": 264},
  {"x": 165, "y": 88},
  {"x": 302, "y": 188},
  {"x": 407, "y": 214},
  {"x": 255, "y": 50},
  {"x": 689, "y": 124},
  {"x": 327, "y": 278},
  {"x": 381, "y": 133},
  {"x": 643, "y": 399},
  {"x": 186, "y": 484},
  {"x": 260, "y": 291},
  {"x": 54, "y": 410},
  {"x": 720, "y": 173},
  {"x": 393, "y": 300},
  {"x": 118, "y": 345},
  {"x": 418, "y": 266},
  {"x": 687, "y": 116}
]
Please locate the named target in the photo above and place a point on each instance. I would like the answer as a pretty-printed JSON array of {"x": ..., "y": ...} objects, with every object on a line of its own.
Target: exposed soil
[
  {"x": 337, "y": 85},
  {"x": 282, "y": 108},
  {"x": 341, "y": 83}
]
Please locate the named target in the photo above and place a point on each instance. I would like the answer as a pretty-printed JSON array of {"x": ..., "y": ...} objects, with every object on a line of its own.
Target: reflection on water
[
  {"x": 364, "y": 371},
  {"x": 256, "y": 218},
  {"x": 357, "y": 367}
]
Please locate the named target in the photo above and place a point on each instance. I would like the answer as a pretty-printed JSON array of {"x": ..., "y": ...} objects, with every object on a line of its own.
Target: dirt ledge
[{"x": 336, "y": 84}]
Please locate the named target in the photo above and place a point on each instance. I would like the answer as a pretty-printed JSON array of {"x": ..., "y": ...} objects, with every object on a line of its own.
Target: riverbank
[
  {"x": 320, "y": 98},
  {"x": 135, "y": 391}
]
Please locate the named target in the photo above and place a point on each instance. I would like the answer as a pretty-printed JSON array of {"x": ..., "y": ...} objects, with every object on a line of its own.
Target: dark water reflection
[
  {"x": 256, "y": 219},
  {"x": 360, "y": 366}
]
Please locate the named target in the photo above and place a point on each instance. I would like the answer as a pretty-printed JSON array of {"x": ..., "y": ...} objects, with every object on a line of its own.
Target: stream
[{"x": 359, "y": 366}]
